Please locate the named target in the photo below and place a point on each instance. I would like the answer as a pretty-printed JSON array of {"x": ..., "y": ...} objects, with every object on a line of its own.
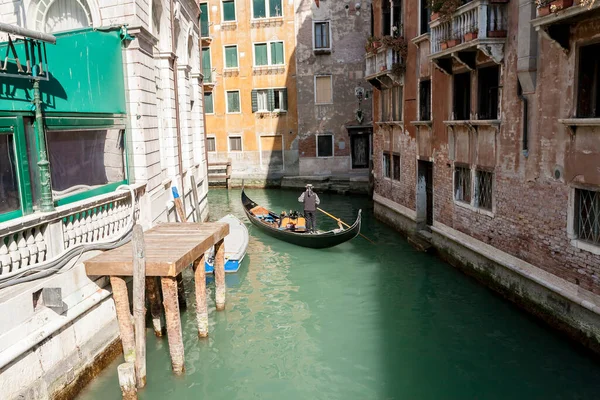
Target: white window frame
[
  {"x": 332, "y": 145},
  {"x": 229, "y": 143},
  {"x": 266, "y": 102},
  {"x": 213, "y": 94},
  {"x": 571, "y": 226},
  {"x": 472, "y": 205},
  {"x": 223, "y": 13},
  {"x": 315, "y": 87},
  {"x": 268, "y": 54},
  {"x": 227, "y": 102},
  {"x": 237, "y": 53},
  {"x": 315, "y": 38},
  {"x": 277, "y": 91},
  {"x": 282, "y": 148},
  {"x": 211, "y": 137},
  {"x": 268, "y": 9}
]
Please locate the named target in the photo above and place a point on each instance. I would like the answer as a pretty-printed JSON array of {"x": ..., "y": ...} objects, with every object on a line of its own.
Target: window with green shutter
[
  {"x": 233, "y": 101},
  {"x": 204, "y": 31},
  {"x": 260, "y": 54},
  {"x": 275, "y": 8},
  {"x": 277, "y": 53},
  {"x": 259, "y": 9},
  {"x": 280, "y": 100},
  {"x": 229, "y": 10},
  {"x": 231, "y": 57},
  {"x": 206, "y": 65},
  {"x": 209, "y": 107}
]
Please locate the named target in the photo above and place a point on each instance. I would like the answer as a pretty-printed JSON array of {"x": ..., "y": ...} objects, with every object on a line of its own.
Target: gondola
[{"x": 277, "y": 226}]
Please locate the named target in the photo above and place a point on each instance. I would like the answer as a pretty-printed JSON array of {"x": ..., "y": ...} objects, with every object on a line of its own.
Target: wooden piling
[
  {"x": 126, "y": 373},
  {"x": 181, "y": 292},
  {"x": 174, "y": 334},
  {"x": 220, "y": 275},
  {"x": 139, "y": 304},
  {"x": 119, "y": 288},
  {"x": 154, "y": 300},
  {"x": 201, "y": 304}
]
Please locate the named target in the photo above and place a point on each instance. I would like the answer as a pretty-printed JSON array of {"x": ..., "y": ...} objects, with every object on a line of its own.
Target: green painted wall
[{"x": 86, "y": 76}]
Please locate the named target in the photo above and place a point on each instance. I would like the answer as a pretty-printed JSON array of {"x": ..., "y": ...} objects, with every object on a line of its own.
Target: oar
[{"x": 337, "y": 219}]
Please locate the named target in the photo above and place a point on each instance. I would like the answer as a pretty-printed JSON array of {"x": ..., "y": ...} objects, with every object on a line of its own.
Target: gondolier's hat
[{"x": 309, "y": 185}]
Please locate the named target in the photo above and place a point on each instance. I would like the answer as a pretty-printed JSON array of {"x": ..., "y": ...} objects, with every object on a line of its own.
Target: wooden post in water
[
  {"x": 201, "y": 305},
  {"x": 139, "y": 303},
  {"x": 155, "y": 306},
  {"x": 220, "y": 275},
  {"x": 126, "y": 373},
  {"x": 119, "y": 289},
  {"x": 174, "y": 334}
]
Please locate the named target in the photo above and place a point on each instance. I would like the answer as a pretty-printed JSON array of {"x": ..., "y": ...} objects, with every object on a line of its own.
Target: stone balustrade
[{"x": 381, "y": 61}]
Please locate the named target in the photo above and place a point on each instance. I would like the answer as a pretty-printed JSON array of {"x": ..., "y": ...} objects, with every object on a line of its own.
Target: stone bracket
[
  {"x": 466, "y": 58},
  {"x": 559, "y": 34},
  {"x": 444, "y": 65},
  {"x": 495, "y": 51}
]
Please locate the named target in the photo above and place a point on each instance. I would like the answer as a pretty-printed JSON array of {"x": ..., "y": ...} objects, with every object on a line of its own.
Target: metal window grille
[
  {"x": 484, "y": 190},
  {"x": 588, "y": 215},
  {"x": 462, "y": 184}
]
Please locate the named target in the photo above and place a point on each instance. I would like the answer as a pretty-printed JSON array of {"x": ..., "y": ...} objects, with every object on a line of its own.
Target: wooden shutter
[
  {"x": 260, "y": 54},
  {"x": 229, "y": 11},
  {"x": 259, "y": 9},
  {"x": 284, "y": 102},
  {"x": 208, "y": 103},
  {"x": 254, "y": 96},
  {"x": 206, "y": 65},
  {"x": 204, "y": 20},
  {"x": 323, "y": 90},
  {"x": 233, "y": 102},
  {"x": 275, "y": 8},
  {"x": 276, "y": 53},
  {"x": 231, "y": 57},
  {"x": 271, "y": 99}
]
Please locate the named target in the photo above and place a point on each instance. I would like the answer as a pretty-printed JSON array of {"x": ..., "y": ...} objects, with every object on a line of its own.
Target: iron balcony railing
[{"x": 485, "y": 18}]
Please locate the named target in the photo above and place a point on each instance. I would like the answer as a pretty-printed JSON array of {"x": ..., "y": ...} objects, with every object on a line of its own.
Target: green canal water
[{"x": 357, "y": 322}]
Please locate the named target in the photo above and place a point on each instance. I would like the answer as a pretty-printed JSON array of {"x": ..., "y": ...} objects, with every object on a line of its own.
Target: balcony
[
  {"x": 480, "y": 25},
  {"x": 380, "y": 68}
]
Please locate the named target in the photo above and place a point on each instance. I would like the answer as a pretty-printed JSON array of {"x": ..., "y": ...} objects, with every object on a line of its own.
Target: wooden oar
[{"x": 337, "y": 219}]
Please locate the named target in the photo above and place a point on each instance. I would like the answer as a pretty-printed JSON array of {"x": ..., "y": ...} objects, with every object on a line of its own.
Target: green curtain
[
  {"x": 260, "y": 54},
  {"x": 277, "y": 53},
  {"x": 229, "y": 10},
  {"x": 275, "y": 8},
  {"x": 231, "y": 60},
  {"x": 259, "y": 9},
  {"x": 209, "y": 107},
  {"x": 233, "y": 102},
  {"x": 206, "y": 66},
  {"x": 204, "y": 20}
]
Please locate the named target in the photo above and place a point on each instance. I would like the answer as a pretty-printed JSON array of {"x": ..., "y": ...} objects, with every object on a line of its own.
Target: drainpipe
[
  {"x": 46, "y": 204},
  {"x": 177, "y": 121}
]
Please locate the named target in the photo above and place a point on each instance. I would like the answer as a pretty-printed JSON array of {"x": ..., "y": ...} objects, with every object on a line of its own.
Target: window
[
  {"x": 462, "y": 183},
  {"x": 397, "y": 103},
  {"x": 266, "y": 8},
  {"x": 588, "y": 97},
  {"x": 228, "y": 10},
  {"x": 321, "y": 32},
  {"x": 462, "y": 96},
  {"x": 231, "y": 57},
  {"x": 269, "y": 100},
  {"x": 391, "y": 16},
  {"x": 391, "y": 104},
  {"x": 268, "y": 54},
  {"x": 9, "y": 184},
  {"x": 233, "y": 101},
  {"x": 396, "y": 165},
  {"x": 484, "y": 189},
  {"x": 211, "y": 144},
  {"x": 206, "y": 64},
  {"x": 204, "y": 24},
  {"x": 324, "y": 145},
  {"x": 387, "y": 165},
  {"x": 209, "y": 107},
  {"x": 425, "y": 16},
  {"x": 425, "y": 100},
  {"x": 235, "y": 143},
  {"x": 488, "y": 82},
  {"x": 386, "y": 105},
  {"x": 85, "y": 159},
  {"x": 587, "y": 215},
  {"x": 323, "y": 90}
]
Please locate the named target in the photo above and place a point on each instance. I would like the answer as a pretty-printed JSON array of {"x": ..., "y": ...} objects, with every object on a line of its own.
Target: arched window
[{"x": 63, "y": 15}]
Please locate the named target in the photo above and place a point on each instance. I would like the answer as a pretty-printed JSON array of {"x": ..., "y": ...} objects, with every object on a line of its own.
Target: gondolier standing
[{"x": 311, "y": 201}]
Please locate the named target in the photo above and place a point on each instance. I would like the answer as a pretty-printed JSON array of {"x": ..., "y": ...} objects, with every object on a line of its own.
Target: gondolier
[{"x": 311, "y": 201}]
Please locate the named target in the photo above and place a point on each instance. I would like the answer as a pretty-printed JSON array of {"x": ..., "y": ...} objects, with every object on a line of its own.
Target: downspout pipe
[{"x": 176, "y": 87}]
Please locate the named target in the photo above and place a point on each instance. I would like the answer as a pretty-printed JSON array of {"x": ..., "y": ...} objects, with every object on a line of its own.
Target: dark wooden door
[{"x": 360, "y": 150}]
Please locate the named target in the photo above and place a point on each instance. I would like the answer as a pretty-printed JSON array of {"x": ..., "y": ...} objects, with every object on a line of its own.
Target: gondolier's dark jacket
[{"x": 310, "y": 200}]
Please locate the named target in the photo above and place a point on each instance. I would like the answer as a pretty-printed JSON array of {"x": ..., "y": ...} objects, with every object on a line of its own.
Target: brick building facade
[{"x": 495, "y": 156}]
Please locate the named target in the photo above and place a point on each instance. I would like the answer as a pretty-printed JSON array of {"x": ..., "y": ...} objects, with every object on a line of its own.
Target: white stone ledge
[
  {"x": 400, "y": 209},
  {"x": 566, "y": 289}
]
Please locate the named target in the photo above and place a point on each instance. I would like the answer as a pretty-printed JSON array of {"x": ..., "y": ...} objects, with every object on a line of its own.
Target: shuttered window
[
  {"x": 322, "y": 36},
  {"x": 235, "y": 143},
  {"x": 260, "y": 54},
  {"x": 269, "y": 100},
  {"x": 233, "y": 101},
  {"x": 280, "y": 100},
  {"x": 229, "y": 10},
  {"x": 206, "y": 65},
  {"x": 259, "y": 8},
  {"x": 323, "y": 92},
  {"x": 209, "y": 107},
  {"x": 204, "y": 30},
  {"x": 231, "y": 57},
  {"x": 277, "y": 53},
  {"x": 211, "y": 144}
]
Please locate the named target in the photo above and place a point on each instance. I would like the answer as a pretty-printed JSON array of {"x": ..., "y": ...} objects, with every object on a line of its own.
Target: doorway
[
  {"x": 360, "y": 145},
  {"x": 425, "y": 195}
]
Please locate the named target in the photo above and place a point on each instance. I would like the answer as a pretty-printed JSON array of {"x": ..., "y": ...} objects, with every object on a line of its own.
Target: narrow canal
[{"x": 358, "y": 322}]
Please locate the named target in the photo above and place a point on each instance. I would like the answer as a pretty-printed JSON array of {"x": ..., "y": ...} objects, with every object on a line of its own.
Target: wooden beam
[
  {"x": 220, "y": 275},
  {"x": 121, "y": 297},
  {"x": 174, "y": 334},
  {"x": 139, "y": 304},
  {"x": 201, "y": 304}
]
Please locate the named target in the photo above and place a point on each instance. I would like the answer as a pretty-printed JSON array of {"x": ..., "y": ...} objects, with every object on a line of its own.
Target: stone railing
[
  {"x": 489, "y": 20},
  {"x": 33, "y": 239},
  {"x": 381, "y": 61}
]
